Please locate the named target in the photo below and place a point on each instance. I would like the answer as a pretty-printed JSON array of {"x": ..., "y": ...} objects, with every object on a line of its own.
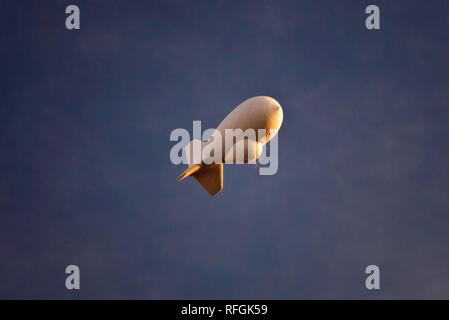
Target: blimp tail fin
[
  {"x": 189, "y": 171},
  {"x": 190, "y": 152},
  {"x": 211, "y": 178}
]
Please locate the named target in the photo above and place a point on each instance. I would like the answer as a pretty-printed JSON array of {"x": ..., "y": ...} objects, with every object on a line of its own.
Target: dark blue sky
[{"x": 86, "y": 178}]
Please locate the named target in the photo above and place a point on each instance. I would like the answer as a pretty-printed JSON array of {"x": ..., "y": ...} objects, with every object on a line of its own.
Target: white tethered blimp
[{"x": 239, "y": 138}]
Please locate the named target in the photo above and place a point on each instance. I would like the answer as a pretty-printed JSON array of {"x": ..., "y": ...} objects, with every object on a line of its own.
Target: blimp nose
[
  {"x": 275, "y": 114},
  {"x": 274, "y": 109}
]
